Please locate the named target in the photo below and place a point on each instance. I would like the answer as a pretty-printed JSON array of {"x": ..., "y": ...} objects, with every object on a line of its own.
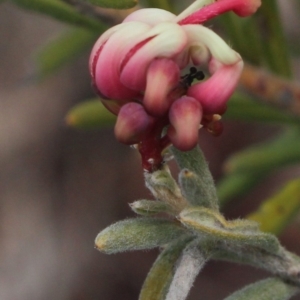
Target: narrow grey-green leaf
[
  {"x": 138, "y": 234},
  {"x": 62, "y": 12},
  {"x": 117, "y": 4},
  {"x": 211, "y": 224},
  {"x": 67, "y": 47},
  {"x": 268, "y": 289},
  {"x": 90, "y": 114},
  {"x": 150, "y": 207},
  {"x": 194, "y": 161},
  {"x": 161, "y": 274},
  {"x": 192, "y": 188}
]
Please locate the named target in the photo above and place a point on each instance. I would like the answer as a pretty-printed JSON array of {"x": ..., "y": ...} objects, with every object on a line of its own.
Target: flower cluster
[{"x": 144, "y": 70}]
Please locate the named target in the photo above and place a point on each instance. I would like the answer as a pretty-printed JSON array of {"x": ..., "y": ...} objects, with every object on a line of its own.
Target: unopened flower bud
[{"x": 185, "y": 116}]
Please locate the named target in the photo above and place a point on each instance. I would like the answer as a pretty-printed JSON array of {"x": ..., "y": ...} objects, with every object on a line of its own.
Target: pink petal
[
  {"x": 243, "y": 8},
  {"x": 163, "y": 40},
  {"x": 213, "y": 93},
  {"x": 185, "y": 116},
  {"x": 107, "y": 67},
  {"x": 150, "y": 16},
  {"x": 132, "y": 122},
  {"x": 100, "y": 42},
  {"x": 162, "y": 76}
]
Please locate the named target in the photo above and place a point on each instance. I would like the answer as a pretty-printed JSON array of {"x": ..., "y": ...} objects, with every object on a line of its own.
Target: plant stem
[{"x": 192, "y": 261}]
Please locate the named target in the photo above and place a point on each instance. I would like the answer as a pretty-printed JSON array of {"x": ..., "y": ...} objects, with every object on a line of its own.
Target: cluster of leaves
[{"x": 194, "y": 230}]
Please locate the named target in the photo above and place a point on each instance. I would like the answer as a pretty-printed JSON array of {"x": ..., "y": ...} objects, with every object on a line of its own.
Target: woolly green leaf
[
  {"x": 195, "y": 162},
  {"x": 164, "y": 188},
  {"x": 275, "y": 213},
  {"x": 90, "y": 114},
  {"x": 150, "y": 207},
  {"x": 118, "y": 4},
  {"x": 62, "y": 12},
  {"x": 191, "y": 187},
  {"x": 62, "y": 50},
  {"x": 211, "y": 224},
  {"x": 162, "y": 272},
  {"x": 268, "y": 289},
  {"x": 138, "y": 234}
]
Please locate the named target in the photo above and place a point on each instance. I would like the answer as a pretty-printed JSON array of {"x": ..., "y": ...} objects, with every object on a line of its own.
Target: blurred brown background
[{"x": 59, "y": 187}]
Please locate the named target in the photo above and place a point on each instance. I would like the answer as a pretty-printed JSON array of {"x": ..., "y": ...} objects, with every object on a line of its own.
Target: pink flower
[{"x": 139, "y": 68}]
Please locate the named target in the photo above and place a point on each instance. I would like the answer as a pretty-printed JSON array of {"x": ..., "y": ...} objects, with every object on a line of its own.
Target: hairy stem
[{"x": 190, "y": 264}]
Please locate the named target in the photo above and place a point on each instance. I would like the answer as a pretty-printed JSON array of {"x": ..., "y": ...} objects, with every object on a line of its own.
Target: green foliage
[
  {"x": 274, "y": 45},
  {"x": 268, "y": 289},
  {"x": 137, "y": 234},
  {"x": 247, "y": 168},
  {"x": 237, "y": 184},
  {"x": 243, "y": 108},
  {"x": 267, "y": 156},
  {"x": 67, "y": 47},
  {"x": 61, "y": 11},
  {"x": 90, "y": 114},
  {"x": 119, "y": 4},
  {"x": 276, "y": 212}
]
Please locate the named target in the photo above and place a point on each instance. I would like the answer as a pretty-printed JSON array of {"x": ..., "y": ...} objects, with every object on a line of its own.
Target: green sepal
[
  {"x": 117, "y": 4},
  {"x": 238, "y": 233},
  {"x": 275, "y": 213},
  {"x": 65, "y": 48},
  {"x": 160, "y": 276},
  {"x": 195, "y": 162},
  {"x": 61, "y": 11},
  {"x": 150, "y": 207},
  {"x": 278, "y": 152},
  {"x": 268, "y": 289},
  {"x": 191, "y": 187},
  {"x": 244, "y": 108},
  {"x": 90, "y": 114},
  {"x": 138, "y": 234}
]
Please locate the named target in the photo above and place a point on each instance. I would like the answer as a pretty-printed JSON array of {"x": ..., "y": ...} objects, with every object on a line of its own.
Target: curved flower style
[{"x": 139, "y": 69}]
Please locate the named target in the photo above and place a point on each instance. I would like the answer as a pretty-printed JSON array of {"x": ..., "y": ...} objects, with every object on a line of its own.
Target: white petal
[
  {"x": 202, "y": 36},
  {"x": 102, "y": 39},
  {"x": 168, "y": 41},
  {"x": 107, "y": 68},
  {"x": 151, "y": 16}
]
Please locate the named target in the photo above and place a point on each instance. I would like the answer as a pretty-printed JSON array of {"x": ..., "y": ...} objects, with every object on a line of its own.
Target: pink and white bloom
[{"x": 139, "y": 69}]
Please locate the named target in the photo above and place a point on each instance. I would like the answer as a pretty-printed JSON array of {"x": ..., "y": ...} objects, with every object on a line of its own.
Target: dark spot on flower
[{"x": 188, "y": 79}]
